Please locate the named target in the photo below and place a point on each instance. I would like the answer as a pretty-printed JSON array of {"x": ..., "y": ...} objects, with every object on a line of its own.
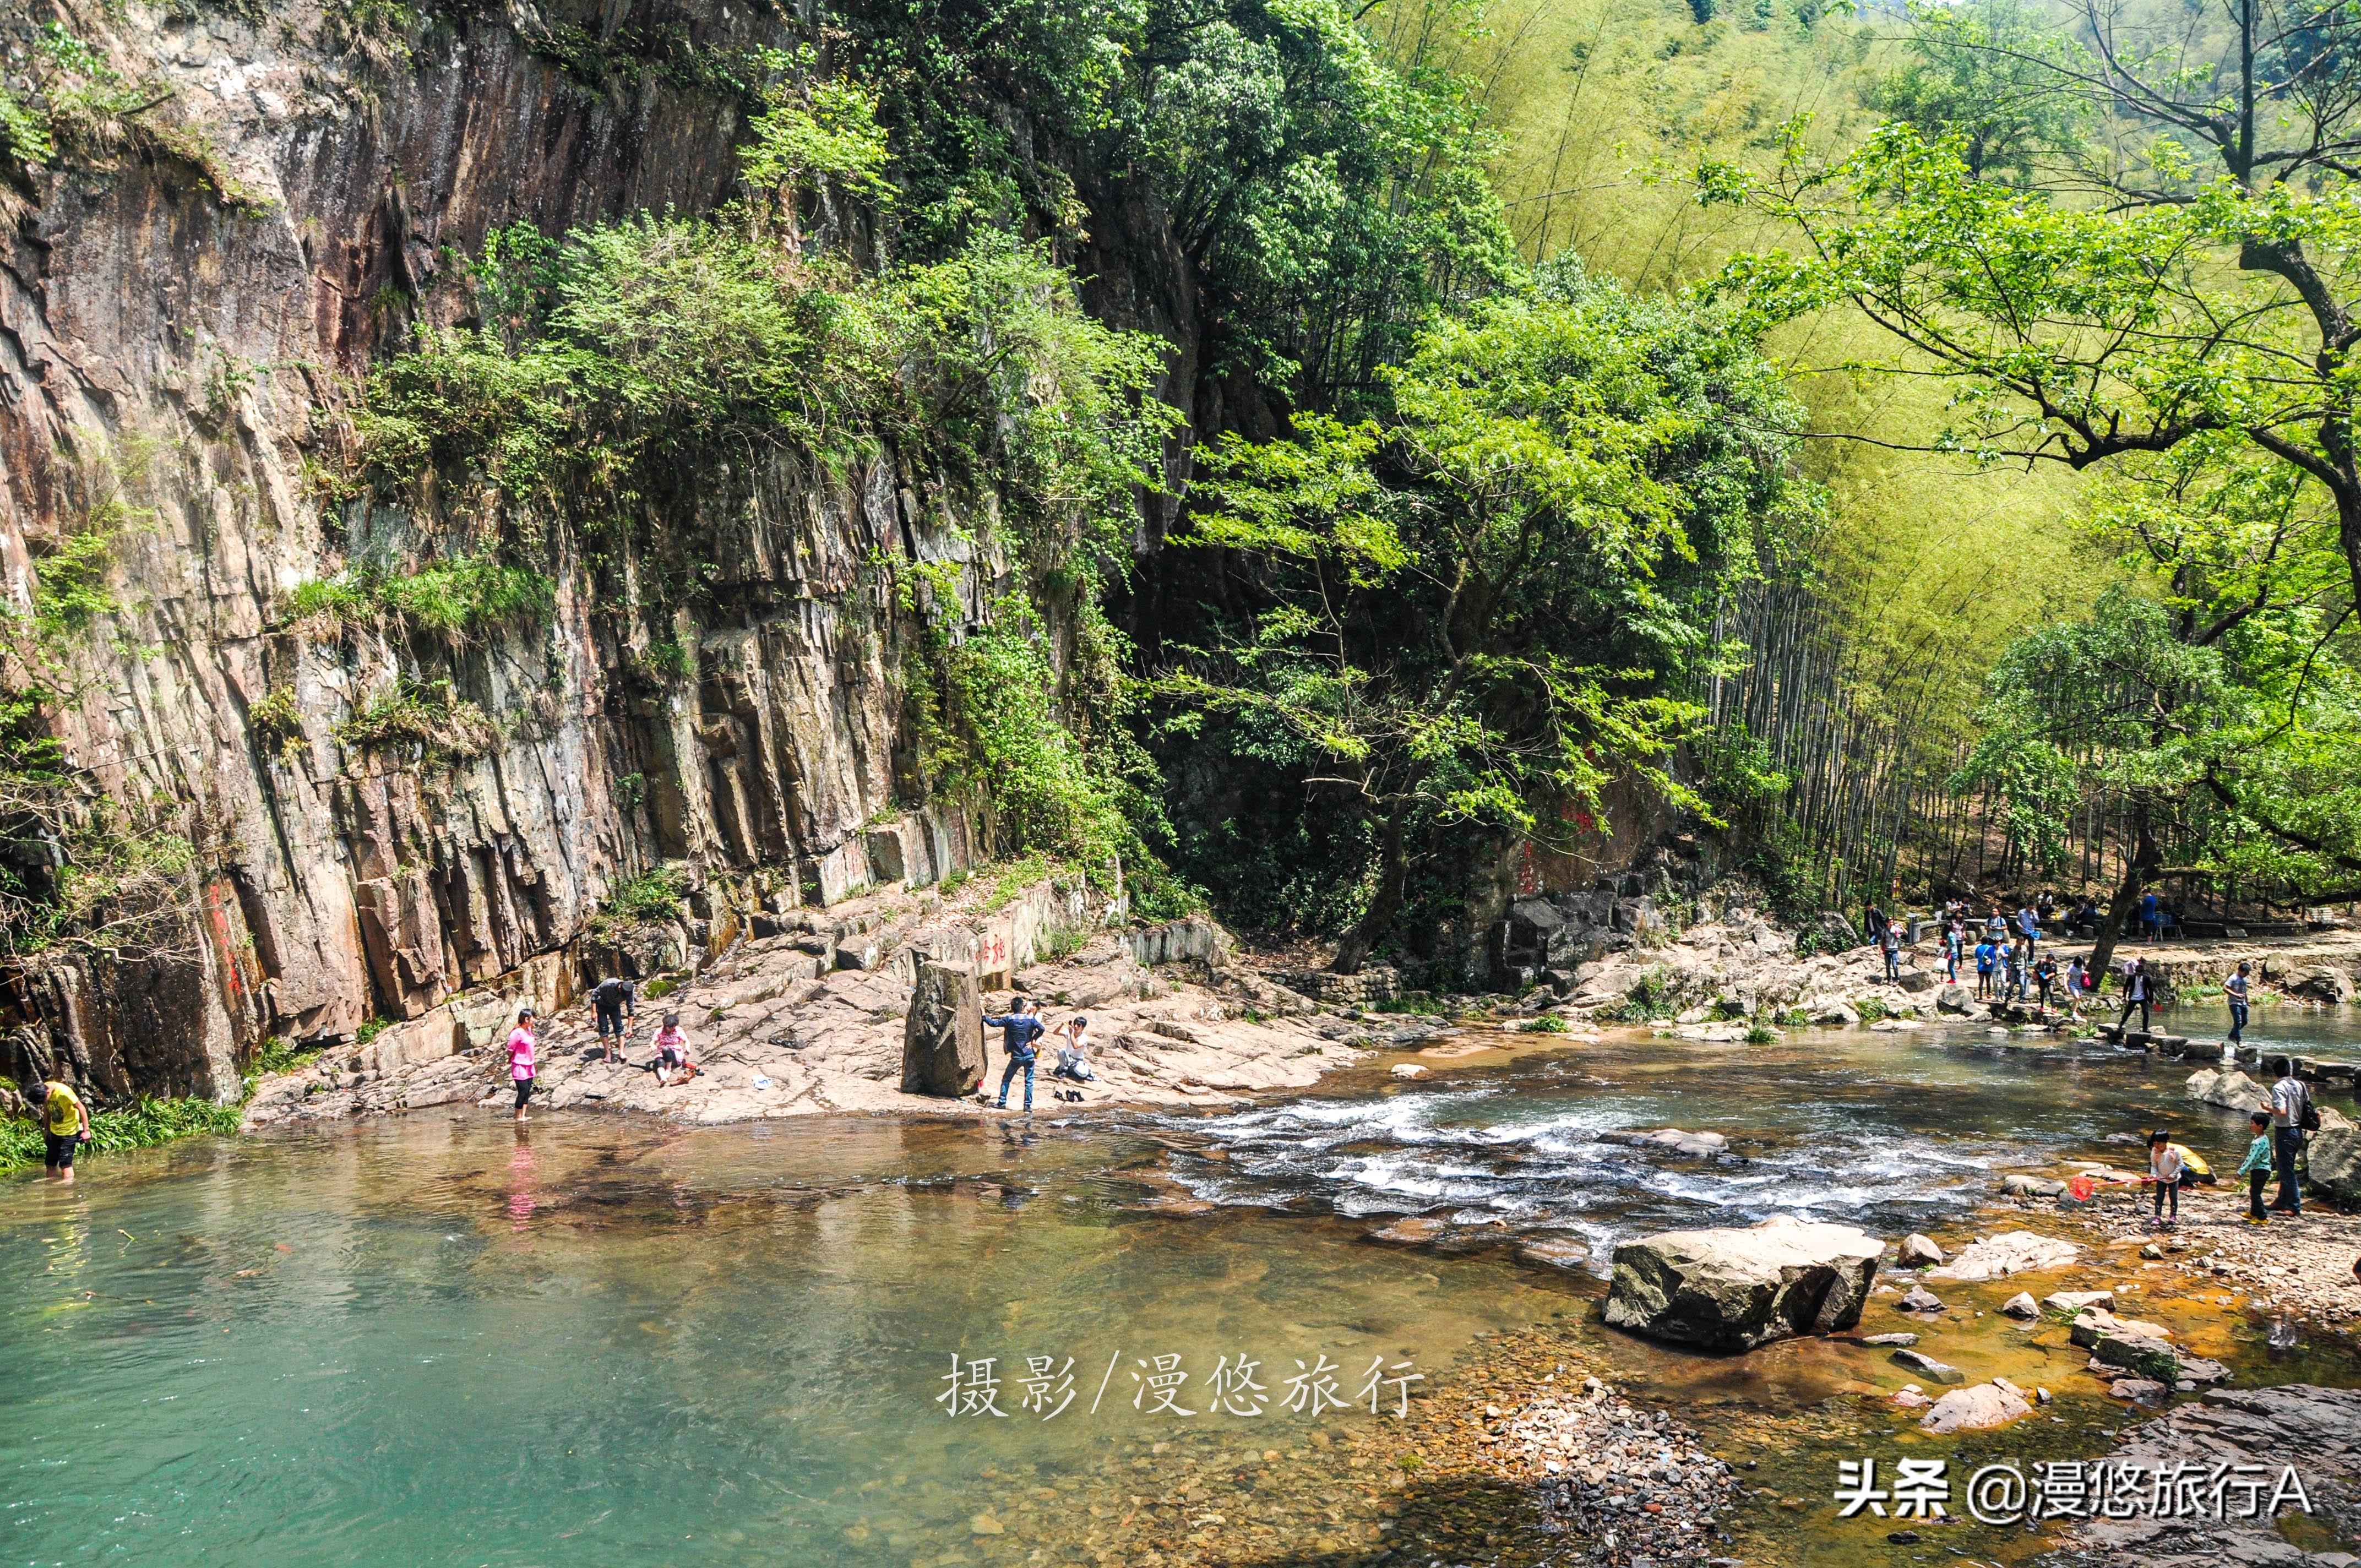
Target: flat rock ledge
[
  {"x": 2316, "y": 1429},
  {"x": 1735, "y": 1289}
]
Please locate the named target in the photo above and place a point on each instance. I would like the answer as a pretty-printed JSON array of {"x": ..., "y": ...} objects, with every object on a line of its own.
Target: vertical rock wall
[{"x": 174, "y": 330}]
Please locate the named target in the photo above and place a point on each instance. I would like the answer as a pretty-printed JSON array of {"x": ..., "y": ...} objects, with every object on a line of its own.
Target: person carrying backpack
[{"x": 2293, "y": 1115}]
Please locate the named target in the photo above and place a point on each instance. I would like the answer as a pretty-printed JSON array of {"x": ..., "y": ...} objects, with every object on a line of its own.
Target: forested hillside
[{"x": 478, "y": 474}]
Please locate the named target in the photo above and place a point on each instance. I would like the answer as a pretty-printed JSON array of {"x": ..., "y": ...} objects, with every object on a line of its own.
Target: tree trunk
[
  {"x": 2139, "y": 869},
  {"x": 1384, "y": 907}
]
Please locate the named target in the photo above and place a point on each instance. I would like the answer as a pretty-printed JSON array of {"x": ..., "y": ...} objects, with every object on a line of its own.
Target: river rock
[
  {"x": 1415, "y": 1231},
  {"x": 1734, "y": 1289},
  {"x": 2094, "y": 1323},
  {"x": 1553, "y": 1252},
  {"x": 943, "y": 1036},
  {"x": 1699, "y": 1146},
  {"x": 2140, "y": 1390},
  {"x": 1953, "y": 999},
  {"x": 1918, "y": 1299},
  {"x": 2230, "y": 1089},
  {"x": 2317, "y": 1429},
  {"x": 2021, "y": 1306},
  {"x": 2011, "y": 1252},
  {"x": 2151, "y": 1357},
  {"x": 1926, "y": 1365},
  {"x": 1915, "y": 980},
  {"x": 1919, "y": 1252},
  {"x": 1897, "y": 1341},
  {"x": 2333, "y": 1159},
  {"x": 1406, "y": 1069},
  {"x": 2073, "y": 1302},
  {"x": 1986, "y": 1405},
  {"x": 2018, "y": 1185},
  {"x": 1835, "y": 1014}
]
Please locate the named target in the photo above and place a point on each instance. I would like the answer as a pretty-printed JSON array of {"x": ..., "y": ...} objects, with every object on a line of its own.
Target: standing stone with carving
[{"x": 942, "y": 1038}]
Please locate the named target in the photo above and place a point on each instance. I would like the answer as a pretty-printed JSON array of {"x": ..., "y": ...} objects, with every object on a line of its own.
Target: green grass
[
  {"x": 144, "y": 1125},
  {"x": 1871, "y": 1009},
  {"x": 1547, "y": 1024},
  {"x": 153, "y": 1119}
]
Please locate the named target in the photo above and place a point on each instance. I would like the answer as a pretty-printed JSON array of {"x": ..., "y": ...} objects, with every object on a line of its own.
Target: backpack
[{"x": 2308, "y": 1116}]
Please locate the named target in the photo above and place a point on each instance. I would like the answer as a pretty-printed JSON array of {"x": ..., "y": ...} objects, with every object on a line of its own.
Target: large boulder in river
[
  {"x": 2231, "y": 1090},
  {"x": 942, "y": 1038},
  {"x": 2011, "y": 1252},
  {"x": 2332, "y": 1156},
  {"x": 1734, "y": 1289}
]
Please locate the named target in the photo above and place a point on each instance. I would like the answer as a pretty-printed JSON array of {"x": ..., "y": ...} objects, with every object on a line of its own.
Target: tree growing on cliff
[{"x": 1472, "y": 616}]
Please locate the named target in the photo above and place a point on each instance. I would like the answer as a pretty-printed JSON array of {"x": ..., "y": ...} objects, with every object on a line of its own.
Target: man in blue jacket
[{"x": 1019, "y": 1027}]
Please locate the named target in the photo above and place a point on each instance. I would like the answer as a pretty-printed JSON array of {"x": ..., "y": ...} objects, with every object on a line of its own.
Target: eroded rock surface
[{"x": 1734, "y": 1289}]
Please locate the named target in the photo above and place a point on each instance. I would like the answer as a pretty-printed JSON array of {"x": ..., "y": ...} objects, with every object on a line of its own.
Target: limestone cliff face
[{"x": 177, "y": 325}]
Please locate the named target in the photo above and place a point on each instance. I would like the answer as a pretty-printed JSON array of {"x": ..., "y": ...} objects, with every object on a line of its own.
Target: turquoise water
[
  {"x": 434, "y": 1340},
  {"x": 427, "y": 1341}
]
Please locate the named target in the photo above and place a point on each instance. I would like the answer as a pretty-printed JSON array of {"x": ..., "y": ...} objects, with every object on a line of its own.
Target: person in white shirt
[{"x": 1073, "y": 1038}]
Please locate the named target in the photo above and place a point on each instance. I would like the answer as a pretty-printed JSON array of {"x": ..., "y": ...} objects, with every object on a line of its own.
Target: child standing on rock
[
  {"x": 1984, "y": 955},
  {"x": 2166, "y": 1169},
  {"x": 2258, "y": 1167}
]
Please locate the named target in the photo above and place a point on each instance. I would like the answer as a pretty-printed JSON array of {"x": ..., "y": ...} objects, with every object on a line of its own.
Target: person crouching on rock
[
  {"x": 2256, "y": 1168},
  {"x": 1074, "y": 1039},
  {"x": 617, "y": 1005},
  {"x": 1019, "y": 1027},
  {"x": 2167, "y": 1171},
  {"x": 672, "y": 1053}
]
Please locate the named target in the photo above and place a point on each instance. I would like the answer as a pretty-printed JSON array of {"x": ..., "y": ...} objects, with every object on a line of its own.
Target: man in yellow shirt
[{"x": 65, "y": 1124}]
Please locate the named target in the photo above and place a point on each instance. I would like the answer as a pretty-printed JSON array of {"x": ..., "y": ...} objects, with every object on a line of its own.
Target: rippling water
[{"x": 1891, "y": 1131}]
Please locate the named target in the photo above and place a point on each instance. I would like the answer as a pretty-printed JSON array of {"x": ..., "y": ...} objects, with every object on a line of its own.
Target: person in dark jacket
[
  {"x": 1019, "y": 1027},
  {"x": 616, "y": 1002}
]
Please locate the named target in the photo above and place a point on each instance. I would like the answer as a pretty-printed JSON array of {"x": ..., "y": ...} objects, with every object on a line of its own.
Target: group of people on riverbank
[
  {"x": 615, "y": 1006},
  {"x": 1023, "y": 1032},
  {"x": 2279, "y": 1131}
]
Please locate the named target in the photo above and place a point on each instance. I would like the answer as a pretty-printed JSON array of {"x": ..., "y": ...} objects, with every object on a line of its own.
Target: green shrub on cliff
[{"x": 456, "y": 599}]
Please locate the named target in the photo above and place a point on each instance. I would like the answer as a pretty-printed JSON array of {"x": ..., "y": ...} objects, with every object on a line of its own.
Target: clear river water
[{"x": 437, "y": 1340}]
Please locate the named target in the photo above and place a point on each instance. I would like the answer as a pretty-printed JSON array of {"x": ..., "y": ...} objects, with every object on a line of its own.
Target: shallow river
[{"x": 434, "y": 1340}]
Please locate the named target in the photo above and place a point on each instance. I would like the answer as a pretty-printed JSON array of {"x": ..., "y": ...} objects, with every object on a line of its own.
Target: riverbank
[{"x": 776, "y": 1039}]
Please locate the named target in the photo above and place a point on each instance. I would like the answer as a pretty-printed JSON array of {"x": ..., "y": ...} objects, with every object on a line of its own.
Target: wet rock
[
  {"x": 2138, "y": 1352},
  {"x": 2021, "y": 1306},
  {"x": 2321, "y": 1428},
  {"x": 1918, "y": 1299},
  {"x": 2074, "y": 1301},
  {"x": 1553, "y": 1252},
  {"x": 1898, "y": 1341},
  {"x": 1977, "y": 1408},
  {"x": 2141, "y": 1390},
  {"x": 2011, "y": 1252},
  {"x": 1927, "y": 1367},
  {"x": 1416, "y": 1231},
  {"x": 1699, "y": 1146},
  {"x": 1912, "y": 1398},
  {"x": 1407, "y": 1070},
  {"x": 1919, "y": 1252},
  {"x": 2094, "y": 1323},
  {"x": 2017, "y": 1185},
  {"x": 2231, "y": 1090},
  {"x": 1734, "y": 1289}
]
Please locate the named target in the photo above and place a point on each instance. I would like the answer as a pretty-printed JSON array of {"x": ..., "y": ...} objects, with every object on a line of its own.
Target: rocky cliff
[{"x": 188, "y": 296}]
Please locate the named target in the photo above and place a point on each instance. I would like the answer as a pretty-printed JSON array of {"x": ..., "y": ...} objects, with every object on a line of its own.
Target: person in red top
[{"x": 521, "y": 1048}]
